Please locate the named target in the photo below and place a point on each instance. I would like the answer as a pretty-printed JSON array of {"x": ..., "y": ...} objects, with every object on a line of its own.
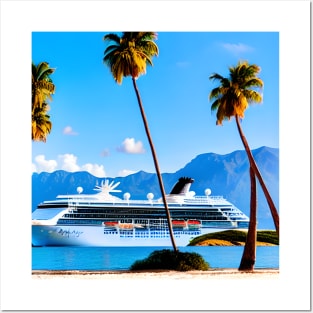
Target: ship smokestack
[{"x": 182, "y": 186}]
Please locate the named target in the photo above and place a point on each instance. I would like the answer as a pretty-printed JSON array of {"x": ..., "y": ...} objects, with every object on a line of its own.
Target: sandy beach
[
  {"x": 108, "y": 275},
  {"x": 143, "y": 290}
]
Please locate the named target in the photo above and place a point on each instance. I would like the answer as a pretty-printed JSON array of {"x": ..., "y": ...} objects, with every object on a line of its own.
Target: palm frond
[
  {"x": 215, "y": 93},
  {"x": 253, "y": 96},
  {"x": 253, "y": 82},
  {"x": 112, "y": 37},
  {"x": 215, "y": 105},
  {"x": 41, "y": 124},
  {"x": 216, "y": 76}
]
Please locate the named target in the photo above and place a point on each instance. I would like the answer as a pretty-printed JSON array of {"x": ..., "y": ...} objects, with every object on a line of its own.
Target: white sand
[
  {"x": 107, "y": 275},
  {"x": 158, "y": 290}
]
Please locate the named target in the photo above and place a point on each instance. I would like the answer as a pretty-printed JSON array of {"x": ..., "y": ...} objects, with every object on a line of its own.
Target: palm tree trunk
[
  {"x": 155, "y": 160},
  {"x": 258, "y": 174},
  {"x": 249, "y": 252}
]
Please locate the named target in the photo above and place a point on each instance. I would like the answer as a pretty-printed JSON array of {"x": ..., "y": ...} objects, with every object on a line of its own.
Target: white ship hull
[{"x": 46, "y": 235}]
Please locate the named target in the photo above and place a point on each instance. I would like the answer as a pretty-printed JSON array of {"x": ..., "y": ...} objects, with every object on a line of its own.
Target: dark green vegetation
[
  {"x": 170, "y": 260},
  {"x": 235, "y": 236}
]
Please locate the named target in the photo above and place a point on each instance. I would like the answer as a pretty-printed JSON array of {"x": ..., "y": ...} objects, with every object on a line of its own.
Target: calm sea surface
[{"x": 117, "y": 258}]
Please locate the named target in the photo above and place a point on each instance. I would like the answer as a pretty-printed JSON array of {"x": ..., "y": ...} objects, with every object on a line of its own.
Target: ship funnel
[{"x": 182, "y": 186}]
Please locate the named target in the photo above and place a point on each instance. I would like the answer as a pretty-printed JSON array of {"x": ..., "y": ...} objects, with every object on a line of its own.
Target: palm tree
[
  {"x": 42, "y": 89},
  {"x": 129, "y": 55},
  {"x": 232, "y": 98}
]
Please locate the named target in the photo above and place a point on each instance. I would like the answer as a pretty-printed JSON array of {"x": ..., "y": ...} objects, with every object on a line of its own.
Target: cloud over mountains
[
  {"x": 69, "y": 162},
  {"x": 66, "y": 162}
]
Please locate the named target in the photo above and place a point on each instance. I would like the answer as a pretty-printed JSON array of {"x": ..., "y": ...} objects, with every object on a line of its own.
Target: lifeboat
[
  {"x": 110, "y": 224},
  {"x": 127, "y": 226},
  {"x": 179, "y": 223}
]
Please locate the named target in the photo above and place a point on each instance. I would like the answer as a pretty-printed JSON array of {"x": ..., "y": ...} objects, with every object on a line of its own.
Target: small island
[{"x": 235, "y": 238}]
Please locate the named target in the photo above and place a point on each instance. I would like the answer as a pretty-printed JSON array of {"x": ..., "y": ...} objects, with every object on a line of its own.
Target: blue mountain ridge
[{"x": 226, "y": 175}]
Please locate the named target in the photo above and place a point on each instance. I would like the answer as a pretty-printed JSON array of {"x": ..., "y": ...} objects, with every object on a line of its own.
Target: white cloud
[
  {"x": 130, "y": 146},
  {"x": 125, "y": 172},
  {"x": 94, "y": 169},
  {"x": 43, "y": 165},
  {"x": 237, "y": 48},
  {"x": 68, "y": 130},
  {"x": 66, "y": 162}
]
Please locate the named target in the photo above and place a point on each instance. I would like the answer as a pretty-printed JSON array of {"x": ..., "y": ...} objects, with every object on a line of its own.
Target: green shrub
[{"x": 170, "y": 260}]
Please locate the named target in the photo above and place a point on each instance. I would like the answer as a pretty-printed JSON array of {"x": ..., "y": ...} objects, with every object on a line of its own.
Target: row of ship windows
[
  {"x": 99, "y": 222},
  {"x": 155, "y": 225},
  {"x": 194, "y": 215},
  {"x": 134, "y": 211},
  {"x": 145, "y": 234},
  {"x": 218, "y": 223}
]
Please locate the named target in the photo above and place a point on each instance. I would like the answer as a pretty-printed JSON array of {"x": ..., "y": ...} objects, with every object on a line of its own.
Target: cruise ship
[{"x": 105, "y": 220}]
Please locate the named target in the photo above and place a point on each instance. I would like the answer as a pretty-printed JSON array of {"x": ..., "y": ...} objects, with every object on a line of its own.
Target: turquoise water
[{"x": 121, "y": 258}]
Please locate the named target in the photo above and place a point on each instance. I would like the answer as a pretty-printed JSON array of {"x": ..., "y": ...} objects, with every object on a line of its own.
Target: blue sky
[{"x": 97, "y": 125}]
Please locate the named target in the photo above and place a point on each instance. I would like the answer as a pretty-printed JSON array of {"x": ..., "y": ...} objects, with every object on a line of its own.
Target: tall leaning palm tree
[
  {"x": 129, "y": 55},
  {"x": 42, "y": 89},
  {"x": 232, "y": 98}
]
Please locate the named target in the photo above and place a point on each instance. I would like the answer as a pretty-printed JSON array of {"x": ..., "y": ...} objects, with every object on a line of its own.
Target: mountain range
[{"x": 226, "y": 175}]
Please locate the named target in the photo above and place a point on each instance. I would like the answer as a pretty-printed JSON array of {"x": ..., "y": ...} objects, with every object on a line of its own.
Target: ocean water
[{"x": 121, "y": 258}]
